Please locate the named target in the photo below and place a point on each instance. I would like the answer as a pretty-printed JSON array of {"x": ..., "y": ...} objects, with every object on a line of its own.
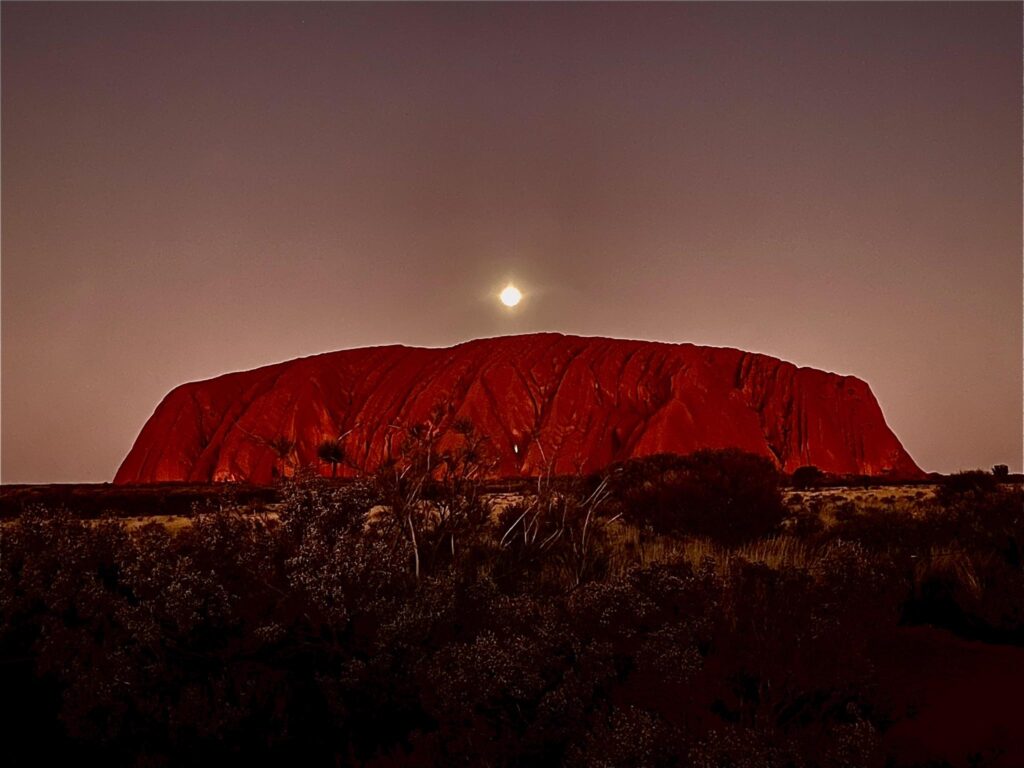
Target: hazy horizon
[{"x": 194, "y": 189}]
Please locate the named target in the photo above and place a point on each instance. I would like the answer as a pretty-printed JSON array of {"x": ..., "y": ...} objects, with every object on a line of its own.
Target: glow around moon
[{"x": 510, "y": 296}]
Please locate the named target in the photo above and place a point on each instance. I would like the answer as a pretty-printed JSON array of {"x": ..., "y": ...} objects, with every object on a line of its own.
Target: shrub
[
  {"x": 972, "y": 484},
  {"x": 991, "y": 521},
  {"x": 331, "y": 452},
  {"x": 556, "y": 539},
  {"x": 626, "y": 738},
  {"x": 306, "y": 637},
  {"x": 727, "y": 495},
  {"x": 807, "y": 477}
]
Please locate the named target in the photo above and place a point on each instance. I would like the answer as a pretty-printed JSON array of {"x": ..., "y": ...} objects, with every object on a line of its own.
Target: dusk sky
[{"x": 192, "y": 189}]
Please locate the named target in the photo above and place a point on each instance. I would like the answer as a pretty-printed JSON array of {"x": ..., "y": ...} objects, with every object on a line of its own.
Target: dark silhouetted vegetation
[
  {"x": 331, "y": 452},
  {"x": 807, "y": 477},
  {"x": 284, "y": 451},
  {"x": 972, "y": 484},
  {"x": 670, "y": 612},
  {"x": 727, "y": 495}
]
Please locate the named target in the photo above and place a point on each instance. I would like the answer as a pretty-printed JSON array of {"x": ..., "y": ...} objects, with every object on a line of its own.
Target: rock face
[{"x": 576, "y": 403}]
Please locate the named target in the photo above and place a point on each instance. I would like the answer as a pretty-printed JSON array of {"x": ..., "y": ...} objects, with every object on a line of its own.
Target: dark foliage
[
  {"x": 331, "y": 452},
  {"x": 99, "y": 500},
  {"x": 727, "y": 495},
  {"x": 392, "y": 622},
  {"x": 807, "y": 477},
  {"x": 971, "y": 484},
  {"x": 960, "y": 562}
]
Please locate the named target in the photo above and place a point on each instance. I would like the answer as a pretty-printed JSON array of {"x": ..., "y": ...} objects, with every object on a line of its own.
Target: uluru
[{"x": 543, "y": 401}]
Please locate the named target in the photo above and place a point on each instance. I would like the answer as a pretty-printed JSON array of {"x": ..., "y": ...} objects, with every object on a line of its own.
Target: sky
[{"x": 192, "y": 189}]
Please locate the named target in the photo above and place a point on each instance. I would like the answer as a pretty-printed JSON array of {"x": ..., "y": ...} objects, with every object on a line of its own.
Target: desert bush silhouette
[
  {"x": 331, "y": 452},
  {"x": 304, "y": 633},
  {"x": 807, "y": 477},
  {"x": 727, "y": 495}
]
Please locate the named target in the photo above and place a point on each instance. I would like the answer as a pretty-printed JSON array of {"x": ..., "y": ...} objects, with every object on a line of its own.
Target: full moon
[{"x": 510, "y": 296}]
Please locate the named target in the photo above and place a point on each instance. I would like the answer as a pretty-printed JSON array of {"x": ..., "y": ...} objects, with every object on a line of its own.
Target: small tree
[
  {"x": 283, "y": 449},
  {"x": 331, "y": 452}
]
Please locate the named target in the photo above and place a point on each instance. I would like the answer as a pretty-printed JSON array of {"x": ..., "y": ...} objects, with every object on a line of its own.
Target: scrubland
[{"x": 670, "y": 611}]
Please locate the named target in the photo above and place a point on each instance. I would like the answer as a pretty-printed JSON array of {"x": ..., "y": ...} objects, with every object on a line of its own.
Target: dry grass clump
[
  {"x": 834, "y": 506},
  {"x": 777, "y": 553},
  {"x": 633, "y": 547}
]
